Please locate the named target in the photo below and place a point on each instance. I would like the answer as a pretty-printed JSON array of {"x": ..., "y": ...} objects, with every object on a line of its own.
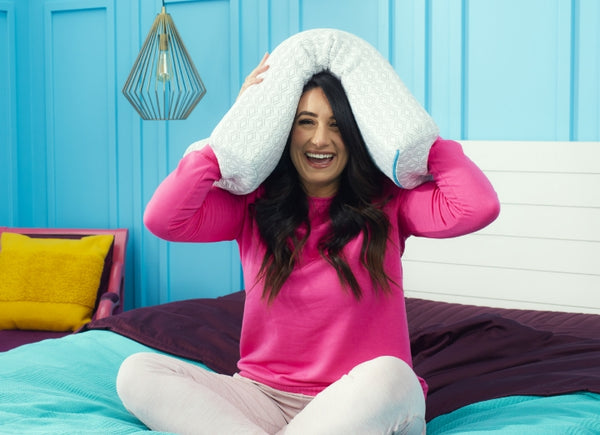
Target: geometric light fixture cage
[{"x": 163, "y": 83}]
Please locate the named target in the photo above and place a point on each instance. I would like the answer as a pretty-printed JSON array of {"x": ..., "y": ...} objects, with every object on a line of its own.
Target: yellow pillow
[{"x": 49, "y": 284}]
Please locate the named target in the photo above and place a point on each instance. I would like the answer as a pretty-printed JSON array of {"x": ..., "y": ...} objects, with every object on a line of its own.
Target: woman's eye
[{"x": 305, "y": 121}]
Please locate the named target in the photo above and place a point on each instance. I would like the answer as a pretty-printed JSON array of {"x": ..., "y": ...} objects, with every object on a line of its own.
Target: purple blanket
[
  {"x": 466, "y": 353},
  {"x": 205, "y": 330}
]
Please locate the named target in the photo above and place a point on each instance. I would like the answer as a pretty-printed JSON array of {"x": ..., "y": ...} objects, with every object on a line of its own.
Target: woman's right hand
[{"x": 253, "y": 78}]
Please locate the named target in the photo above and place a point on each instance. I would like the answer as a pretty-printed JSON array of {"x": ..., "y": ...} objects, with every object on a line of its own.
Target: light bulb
[{"x": 164, "y": 71}]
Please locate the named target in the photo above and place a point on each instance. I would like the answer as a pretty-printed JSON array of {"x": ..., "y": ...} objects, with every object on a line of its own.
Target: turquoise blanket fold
[
  {"x": 66, "y": 386},
  {"x": 568, "y": 414}
]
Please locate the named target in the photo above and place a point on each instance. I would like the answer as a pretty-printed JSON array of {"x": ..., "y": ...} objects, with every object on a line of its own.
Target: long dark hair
[{"x": 356, "y": 207}]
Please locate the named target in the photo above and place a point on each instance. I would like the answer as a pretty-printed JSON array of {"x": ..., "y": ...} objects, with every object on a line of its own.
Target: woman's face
[{"x": 317, "y": 150}]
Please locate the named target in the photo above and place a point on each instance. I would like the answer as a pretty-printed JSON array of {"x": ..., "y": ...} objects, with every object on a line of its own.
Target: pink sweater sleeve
[
  {"x": 186, "y": 207},
  {"x": 458, "y": 201}
]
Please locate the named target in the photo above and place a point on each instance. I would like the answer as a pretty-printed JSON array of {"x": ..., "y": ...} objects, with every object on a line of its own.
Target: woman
[{"x": 324, "y": 345}]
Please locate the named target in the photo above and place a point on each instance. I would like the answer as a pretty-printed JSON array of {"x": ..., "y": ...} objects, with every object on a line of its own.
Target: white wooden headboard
[{"x": 543, "y": 251}]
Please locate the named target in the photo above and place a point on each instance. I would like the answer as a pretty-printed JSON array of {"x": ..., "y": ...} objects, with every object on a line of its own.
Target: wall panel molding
[
  {"x": 235, "y": 80},
  {"x": 446, "y": 66},
  {"x": 80, "y": 120},
  {"x": 565, "y": 69},
  {"x": 410, "y": 52},
  {"x": 385, "y": 41},
  {"x": 586, "y": 85},
  {"x": 485, "y": 69},
  {"x": 8, "y": 115}
]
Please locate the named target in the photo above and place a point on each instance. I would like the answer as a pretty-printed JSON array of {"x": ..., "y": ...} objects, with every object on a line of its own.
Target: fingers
[
  {"x": 253, "y": 78},
  {"x": 261, "y": 68},
  {"x": 263, "y": 62}
]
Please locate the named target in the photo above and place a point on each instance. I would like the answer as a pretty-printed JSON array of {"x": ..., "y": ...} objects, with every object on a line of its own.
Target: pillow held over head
[
  {"x": 50, "y": 284},
  {"x": 251, "y": 137}
]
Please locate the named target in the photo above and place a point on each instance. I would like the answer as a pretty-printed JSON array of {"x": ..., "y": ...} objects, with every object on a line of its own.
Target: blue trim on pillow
[{"x": 394, "y": 166}]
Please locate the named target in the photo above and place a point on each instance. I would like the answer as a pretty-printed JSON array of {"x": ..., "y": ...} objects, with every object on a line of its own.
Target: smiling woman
[{"x": 320, "y": 242}]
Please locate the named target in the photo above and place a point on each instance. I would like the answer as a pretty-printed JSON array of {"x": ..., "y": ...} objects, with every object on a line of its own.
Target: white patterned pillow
[{"x": 251, "y": 137}]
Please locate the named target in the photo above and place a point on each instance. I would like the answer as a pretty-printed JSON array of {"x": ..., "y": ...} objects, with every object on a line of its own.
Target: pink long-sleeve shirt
[{"x": 315, "y": 331}]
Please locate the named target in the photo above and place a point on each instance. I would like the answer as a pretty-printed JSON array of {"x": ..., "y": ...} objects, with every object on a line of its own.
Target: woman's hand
[{"x": 253, "y": 78}]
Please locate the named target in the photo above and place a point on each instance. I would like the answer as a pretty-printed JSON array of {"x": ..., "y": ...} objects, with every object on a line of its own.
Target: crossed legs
[{"x": 381, "y": 396}]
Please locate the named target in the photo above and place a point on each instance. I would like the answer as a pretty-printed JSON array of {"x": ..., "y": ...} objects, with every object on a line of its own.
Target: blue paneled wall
[{"x": 74, "y": 153}]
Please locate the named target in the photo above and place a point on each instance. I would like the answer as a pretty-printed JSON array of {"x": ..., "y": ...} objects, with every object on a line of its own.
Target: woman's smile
[{"x": 319, "y": 160}]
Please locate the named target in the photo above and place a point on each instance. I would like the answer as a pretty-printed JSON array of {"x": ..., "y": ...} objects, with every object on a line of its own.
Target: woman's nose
[{"x": 320, "y": 137}]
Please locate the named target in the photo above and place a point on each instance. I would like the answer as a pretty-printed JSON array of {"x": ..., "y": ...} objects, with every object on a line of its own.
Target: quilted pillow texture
[
  {"x": 49, "y": 284},
  {"x": 251, "y": 137}
]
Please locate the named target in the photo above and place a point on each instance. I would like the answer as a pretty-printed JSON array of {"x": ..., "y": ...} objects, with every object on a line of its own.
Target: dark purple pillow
[
  {"x": 205, "y": 330},
  {"x": 424, "y": 313}
]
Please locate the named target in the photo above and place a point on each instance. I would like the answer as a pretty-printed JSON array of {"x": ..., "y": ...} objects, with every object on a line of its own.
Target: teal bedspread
[
  {"x": 66, "y": 386},
  {"x": 568, "y": 414}
]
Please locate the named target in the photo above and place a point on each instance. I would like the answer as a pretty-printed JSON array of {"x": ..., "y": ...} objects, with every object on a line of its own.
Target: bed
[{"x": 508, "y": 340}]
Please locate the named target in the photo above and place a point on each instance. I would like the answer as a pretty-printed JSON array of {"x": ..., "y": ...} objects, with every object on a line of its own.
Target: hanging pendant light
[{"x": 163, "y": 83}]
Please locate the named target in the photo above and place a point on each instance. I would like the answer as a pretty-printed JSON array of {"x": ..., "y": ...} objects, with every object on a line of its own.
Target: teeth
[{"x": 319, "y": 156}]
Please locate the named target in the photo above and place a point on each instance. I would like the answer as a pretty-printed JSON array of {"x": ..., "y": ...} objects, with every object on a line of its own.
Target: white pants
[{"x": 381, "y": 396}]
